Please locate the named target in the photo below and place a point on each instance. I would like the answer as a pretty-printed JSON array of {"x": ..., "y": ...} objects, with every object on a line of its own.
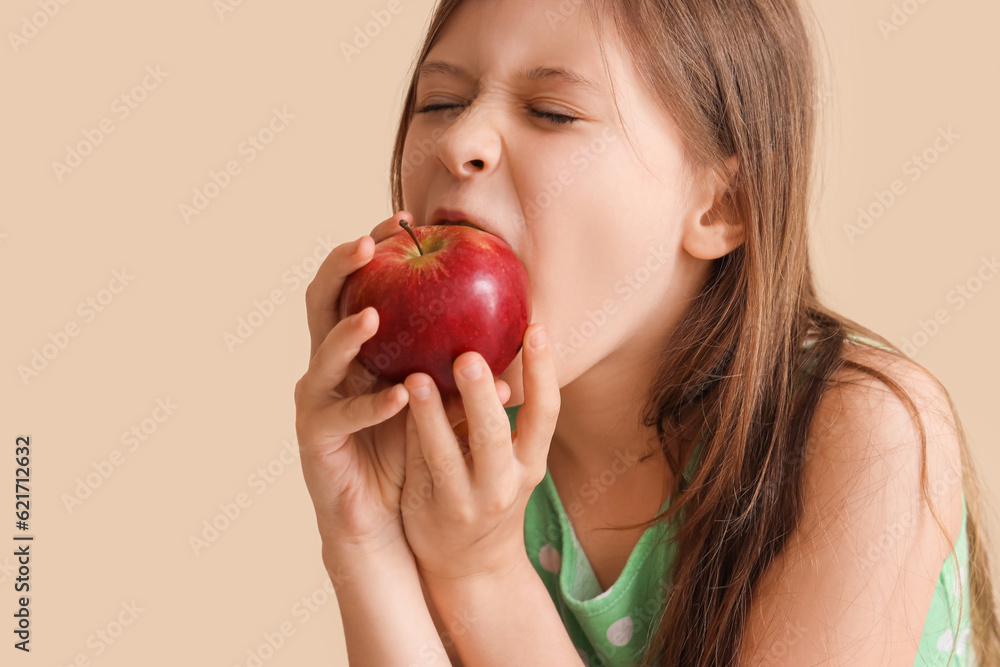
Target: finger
[
  {"x": 536, "y": 420},
  {"x": 459, "y": 422},
  {"x": 328, "y": 368},
  {"x": 503, "y": 391},
  {"x": 329, "y": 365},
  {"x": 323, "y": 292},
  {"x": 438, "y": 443},
  {"x": 319, "y": 419},
  {"x": 418, "y": 474},
  {"x": 489, "y": 427},
  {"x": 456, "y": 411},
  {"x": 390, "y": 226}
]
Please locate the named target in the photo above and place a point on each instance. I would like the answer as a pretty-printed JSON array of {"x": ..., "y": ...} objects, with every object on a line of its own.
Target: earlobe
[
  {"x": 717, "y": 231},
  {"x": 713, "y": 237}
]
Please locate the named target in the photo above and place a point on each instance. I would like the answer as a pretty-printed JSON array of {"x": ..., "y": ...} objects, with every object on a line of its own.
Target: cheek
[
  {"x": 418, "y": 155},
  {"x": 597, "y": 269},
  {"x": 569, "y": 282}
]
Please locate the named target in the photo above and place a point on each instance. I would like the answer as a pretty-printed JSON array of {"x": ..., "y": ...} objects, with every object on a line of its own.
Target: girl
[{"x": 692, "y": 461}]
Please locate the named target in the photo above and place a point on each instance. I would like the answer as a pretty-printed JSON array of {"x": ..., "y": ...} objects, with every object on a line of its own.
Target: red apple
[{"x": 440, "y": 290}]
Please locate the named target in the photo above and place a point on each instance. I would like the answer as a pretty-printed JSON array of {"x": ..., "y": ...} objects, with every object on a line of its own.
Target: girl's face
[{"x": 600, "y": 234}]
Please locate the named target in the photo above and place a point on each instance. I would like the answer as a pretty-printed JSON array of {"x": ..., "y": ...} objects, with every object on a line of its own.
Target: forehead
[
  {"x": 522, "y": 41},
  {"x": 562, "y": 75}
]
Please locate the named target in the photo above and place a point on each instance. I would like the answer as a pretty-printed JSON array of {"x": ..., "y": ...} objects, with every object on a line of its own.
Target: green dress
[{"x": 611, "y": 627}]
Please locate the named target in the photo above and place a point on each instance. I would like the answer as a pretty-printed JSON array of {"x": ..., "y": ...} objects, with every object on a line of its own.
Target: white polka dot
[
  {"x": 946, "y": 641},
  {"x": 583, "y": 657},
  {"x": 963, "y": 641},
  {"x": 550, "y": 558},
  {"x": 956, "y": 582},
  {"x": 620, "y": 631}
]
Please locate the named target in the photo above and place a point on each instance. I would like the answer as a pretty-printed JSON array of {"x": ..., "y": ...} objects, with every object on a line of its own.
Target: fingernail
[
  {"x": 538, "y": 340},
  {"x": 357, "y": 245},
  {"x": 472, "y": 371},
  {"x": 421, "y": 392}
]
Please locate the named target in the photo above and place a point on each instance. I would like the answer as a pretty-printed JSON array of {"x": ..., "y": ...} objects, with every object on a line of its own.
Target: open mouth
[{"x": 458, "y": 223}]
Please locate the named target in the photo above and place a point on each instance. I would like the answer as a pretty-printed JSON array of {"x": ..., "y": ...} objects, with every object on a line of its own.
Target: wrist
[
  {"x": 348, "y": 554},
  {"x": 385, "y": 615},
  {"x": 503, "y": 618},
  {"x": 480, "y": 585}
]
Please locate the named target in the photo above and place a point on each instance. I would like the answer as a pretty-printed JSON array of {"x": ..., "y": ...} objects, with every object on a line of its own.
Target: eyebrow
[{"x": 536, "y": 73}]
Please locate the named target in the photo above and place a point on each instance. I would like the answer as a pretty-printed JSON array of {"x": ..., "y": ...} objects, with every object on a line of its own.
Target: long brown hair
[{"x": 738, "y": 78}]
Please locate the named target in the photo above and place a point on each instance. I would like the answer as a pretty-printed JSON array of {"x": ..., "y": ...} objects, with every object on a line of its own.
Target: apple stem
[{"x": 405, "y": 225}]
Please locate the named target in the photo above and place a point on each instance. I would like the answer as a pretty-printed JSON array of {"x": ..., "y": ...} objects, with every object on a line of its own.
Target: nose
[{"x": 471, "y": 145}]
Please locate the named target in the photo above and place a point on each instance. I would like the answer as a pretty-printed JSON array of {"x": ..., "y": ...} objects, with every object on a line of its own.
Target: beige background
[{"x": 323, "y": 178}]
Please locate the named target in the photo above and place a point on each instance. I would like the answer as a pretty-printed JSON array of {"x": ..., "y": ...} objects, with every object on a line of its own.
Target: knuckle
[
  {"x": 310, "y": 295},
  {"x": 301, "y": 389},
  {"x": 500, "y": 502},
  {"x": 349, "y": 409},
  {"x": 550, "y": 411},
  {"x": 312, "y": 303},
  {"x": 359, "y": 407},
  {"x": 315, "y": 361},
  {"x": 535, "y": 476},
  {"x": 495, "y": 504},
  {"x": 487, "y": 433},
  {"x": 465, "y": 513}
]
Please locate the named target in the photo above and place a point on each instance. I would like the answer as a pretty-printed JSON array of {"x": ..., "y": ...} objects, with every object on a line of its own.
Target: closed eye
[{"x": 555, "y": 118}]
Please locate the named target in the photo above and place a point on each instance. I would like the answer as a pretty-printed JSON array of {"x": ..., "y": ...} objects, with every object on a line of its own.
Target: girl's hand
[
  {"x": 350, "y": 429},
  {"x": 463, "y": 512}
]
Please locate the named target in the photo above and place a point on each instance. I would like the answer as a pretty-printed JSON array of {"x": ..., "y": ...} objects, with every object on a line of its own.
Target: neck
[
  {"x": 598, "y": 456},
  {"x": 598, "y": 428},
  {"x": 598, "y": 425}
]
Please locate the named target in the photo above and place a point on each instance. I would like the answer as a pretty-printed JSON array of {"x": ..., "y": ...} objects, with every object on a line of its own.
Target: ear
[{"x": 711, "y": 227}]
